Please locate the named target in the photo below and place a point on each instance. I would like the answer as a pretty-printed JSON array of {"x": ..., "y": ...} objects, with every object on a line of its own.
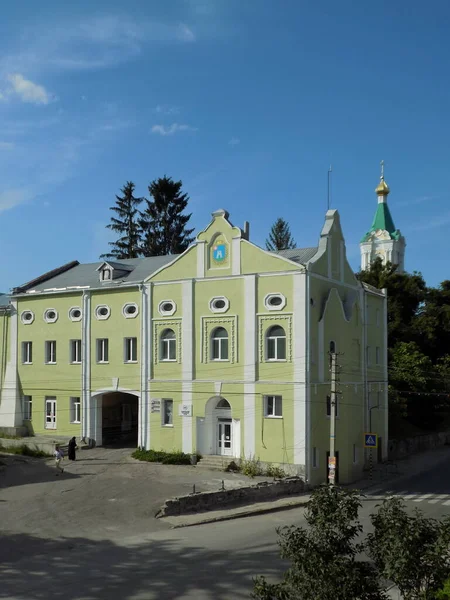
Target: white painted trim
[
  {"x": 169, "y": 264},
  {"x": 145, "y": 326},
  {"x": 321, "y": 357},
  {"x": 299, "y": 353},
  {"x": 86, "y": 363},
  {"x": 11, "y": 408},
  {"x": 236, "y": 255},
  {"x": 250, "y": 348},
  {"x": 187, "y": 331},
  {"x": 201, "y": 249},
  {"x": 308, "y": 426},
  {"x": 187, "y": 422},
  {"x": 357, "y": 285}
]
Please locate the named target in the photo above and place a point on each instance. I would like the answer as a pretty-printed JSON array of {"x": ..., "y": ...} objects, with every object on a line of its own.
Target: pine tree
[
  {"x": 280, "y": 237},
  {"x": 163, "y": 223},
  {"x": 125, "y": 223}
]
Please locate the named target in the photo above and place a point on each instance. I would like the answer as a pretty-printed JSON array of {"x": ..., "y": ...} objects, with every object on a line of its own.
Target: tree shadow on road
[{"x": 33, "y": 568}]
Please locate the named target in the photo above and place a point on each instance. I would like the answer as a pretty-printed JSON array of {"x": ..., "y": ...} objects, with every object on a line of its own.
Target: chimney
[{"x": 246, "y": 235}]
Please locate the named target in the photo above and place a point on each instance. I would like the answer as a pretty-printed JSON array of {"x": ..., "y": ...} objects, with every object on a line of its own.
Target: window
[
  {"x": 275, "y": 301},
  {"x": 329, "y": 406},
  {"x": 167, "y": 308},
  {"x": 50, "y": 352},
  {"x": 75, "y": 410},
  {"x": 75, "y": 351},
  {"x": 276, "y": 343},
  {"x": 377, "y": 355},
  {"x": 167, "y": 414},
  {"x": 106, "y": 274},
  {"x": 219, "y": 304},
  {"x": 27, "y": 317},
  {"x": 102, "y": 350},
  {"x": 315, "y": 458},
  {"x": 102, "y": 312},
  {"x": 130, "y": 350},
  {"x": 332, "y": 347},
  {"x": 168, "y": 345},
  {"x": 75, "y": 313},
  {"x": 368, "y": 356},
  {"x": 27, "y": 353},
  {"x": 50, "y": 315},
  {"x": 219, "y": 344},
  {"x": 27, "y": 408},
  {"x": 273, "y": 406},
  {"x": 355, "y": 454},
  {"x": 130, "y": 310}
]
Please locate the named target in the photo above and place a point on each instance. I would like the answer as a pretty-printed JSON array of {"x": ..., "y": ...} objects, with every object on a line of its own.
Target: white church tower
[{"x": 383, "y": 239}]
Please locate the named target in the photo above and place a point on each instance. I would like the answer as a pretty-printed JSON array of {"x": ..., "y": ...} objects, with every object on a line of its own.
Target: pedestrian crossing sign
[{"x": 370, "y": 440}]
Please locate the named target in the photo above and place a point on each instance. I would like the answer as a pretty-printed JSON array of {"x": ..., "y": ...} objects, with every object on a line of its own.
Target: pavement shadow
[
  {"x": 28, "y": 471},
  {"x": 69, "y": 569}
]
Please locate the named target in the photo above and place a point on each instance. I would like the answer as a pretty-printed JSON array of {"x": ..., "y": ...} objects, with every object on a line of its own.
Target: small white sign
[
  {"x": 155, "y": 405},
  {"x": 185, "y": 410}
]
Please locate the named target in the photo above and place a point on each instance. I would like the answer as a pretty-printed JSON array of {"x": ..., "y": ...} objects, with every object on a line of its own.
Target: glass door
[
  {"x": 224, "y": 437},
  {"x": 50, "y": 413}
]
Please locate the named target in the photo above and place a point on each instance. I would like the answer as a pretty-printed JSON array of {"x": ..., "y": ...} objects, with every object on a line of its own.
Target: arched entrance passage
[
  {"x": 117, "y": 418},
  {"x": 218, "y": 433}
]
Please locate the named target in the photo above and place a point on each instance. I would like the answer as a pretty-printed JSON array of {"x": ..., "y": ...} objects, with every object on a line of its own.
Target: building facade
[
  {"x": 221, "y": 350},
  {"x": 383, "y": 240}
]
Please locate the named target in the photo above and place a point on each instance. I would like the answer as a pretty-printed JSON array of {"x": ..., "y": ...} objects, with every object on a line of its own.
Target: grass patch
[
  {"x": 24, "y": 450},
  {"x": 166, "y": 458},
  {"x": 7, "y": 436}
]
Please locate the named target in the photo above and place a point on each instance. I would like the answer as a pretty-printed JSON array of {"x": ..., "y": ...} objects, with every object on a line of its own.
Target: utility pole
[{"x": 333, "y": 400}]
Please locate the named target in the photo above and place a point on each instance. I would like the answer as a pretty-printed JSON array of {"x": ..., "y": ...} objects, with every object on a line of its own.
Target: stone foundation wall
[{"x": 420, "y": 443}]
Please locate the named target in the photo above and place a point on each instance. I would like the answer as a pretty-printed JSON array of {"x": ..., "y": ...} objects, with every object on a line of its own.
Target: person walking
[
  {"x": 71, "y": 449},
  {"x": 59, "y": 455}
]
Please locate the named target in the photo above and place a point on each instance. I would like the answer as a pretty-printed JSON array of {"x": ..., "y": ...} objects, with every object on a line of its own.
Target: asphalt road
[{"x": 204, "y": 562}]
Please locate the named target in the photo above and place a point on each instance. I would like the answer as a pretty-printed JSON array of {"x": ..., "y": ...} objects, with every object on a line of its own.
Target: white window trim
[
  {"x": 266, "y": 405},
  {"x": 27, "y": 401},
  {"x": 125, "y": 350},
  {"x": 163, "y": 343},
  {"x": 27, "y": 344},
  {"x": 48, "y": 319},
  {"x": 132, "y": 315},
  {"x": 48, "y": 353},
  {"x": 268, "y": 297},
  {"x": 98, "y": 345},
  {"x": 99, "y": 316},
  {"x": 51, "y": 399},
  {"x": 75, "y": 400},
  {"x": 224, "y": 309},
  {"x": 104, "y": 271},
  {"x": 163, "y": 411},
  {"x": 72, "y": 345},
  {"x": 167, "y": 313},
  {"x": 278, "y": 337},
  {"x": 22, "y": 317},
  {"x": 72, "y": 310},
  {"x": 220, "y": 346}
]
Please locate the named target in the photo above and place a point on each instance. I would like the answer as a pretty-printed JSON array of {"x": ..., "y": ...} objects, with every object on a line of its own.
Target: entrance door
[
  {"x": 50, "y": 413},
  {"x": 336, "y": 477},
  {"x": 224, "y": 437}
]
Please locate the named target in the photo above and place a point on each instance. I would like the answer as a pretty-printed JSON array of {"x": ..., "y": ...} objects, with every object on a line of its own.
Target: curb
[{"x": 242, "y": 515}]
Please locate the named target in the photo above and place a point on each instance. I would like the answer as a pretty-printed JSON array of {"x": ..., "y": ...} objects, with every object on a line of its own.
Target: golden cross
[{"x": 382, "y": 169}]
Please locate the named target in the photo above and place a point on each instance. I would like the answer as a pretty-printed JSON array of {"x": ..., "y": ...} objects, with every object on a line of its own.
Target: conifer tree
[
  {"x": 280, "y": 237},
  {"x": 126, "y": 224},
  {"x": 163, "y": 222}
]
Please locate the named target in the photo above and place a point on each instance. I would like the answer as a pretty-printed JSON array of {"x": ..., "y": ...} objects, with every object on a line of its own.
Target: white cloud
[
  {"x": 27, "y": 90},
  {"x": 185, "y": 34},
  {"x": 234, "y": 141},
  {"x": 171, "y": 129},
  {"x": 166, "y": 109},
  {"x": 14, "y": 197},
  {"x": 432, "y": 223},
  {"x": 6, "y": 145}
]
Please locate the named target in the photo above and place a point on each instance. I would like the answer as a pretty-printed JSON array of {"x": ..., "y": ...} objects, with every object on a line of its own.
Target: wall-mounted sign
[
  {"x": 185, "y": 410},
  {"x": 155, "y": 405}
]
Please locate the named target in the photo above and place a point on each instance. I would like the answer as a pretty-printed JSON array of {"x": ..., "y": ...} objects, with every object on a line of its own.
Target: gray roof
[
  {"x": 87, "y": 276},
  {"x": 298, "y": 255}
]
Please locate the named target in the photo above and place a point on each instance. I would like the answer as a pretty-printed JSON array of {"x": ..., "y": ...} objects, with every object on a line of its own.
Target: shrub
[
  {"x": 277, "y": 472},
  {"x": 24, "y": 450},
  {"x": 251, "y": 467},
  {"x": 160, "y": 456}
]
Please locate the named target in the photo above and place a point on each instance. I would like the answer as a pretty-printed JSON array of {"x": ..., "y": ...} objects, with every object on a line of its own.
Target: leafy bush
[
  {"x": 277, "y": 472},
  {"x": 444, "y": 593},
  {"x": 24, "y": 450},
  {"x": 251, "y": 467},
  {"x": 161, "y": 456}
]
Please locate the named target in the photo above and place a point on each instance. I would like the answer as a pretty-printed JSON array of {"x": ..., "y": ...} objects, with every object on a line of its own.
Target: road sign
[{"x": 370, "y": 440}]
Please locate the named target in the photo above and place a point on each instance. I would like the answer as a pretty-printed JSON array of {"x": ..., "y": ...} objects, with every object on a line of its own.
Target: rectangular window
[
  {"x": 273, "y": 406},
  {"x": 75, "y": 351},
  {"x": 167, "y": 414},
  {"x": 329, "y": 406},
  {"x": 355, "y": 454},
  {"x": 27, "y": 353},
  {"x": 315, "y": 458},
  {"x": 377, "y": 355},
  {"x": 27, "y": 408},
  {"x": 130, "y": 350},
  {"x": 50, "y": 352},
  {"x": 102, "y": 350},
  {"x": 75, "y": 410}
]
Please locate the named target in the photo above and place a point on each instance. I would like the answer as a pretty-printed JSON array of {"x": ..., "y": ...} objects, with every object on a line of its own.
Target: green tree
[
  {"x": 410, "y": 550},
  {"x": 433, "y": 321},
  {"x": 323, "y": 557},
  {"x": 163, "y": 224},
  {"x": 125, "y": 223},
  {"x": 280, "y": 237}
]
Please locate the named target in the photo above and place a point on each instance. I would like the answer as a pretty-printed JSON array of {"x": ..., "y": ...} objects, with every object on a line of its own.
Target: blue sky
[{"x": 248, "y": 102}]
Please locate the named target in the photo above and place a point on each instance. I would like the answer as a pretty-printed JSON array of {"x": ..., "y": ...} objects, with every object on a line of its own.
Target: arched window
[
  {"x": 168, "y": 345},
  {"x": 276, "y": 343},
  {"x": 219, "y": 344},
  {"x": 223, "y": 404}
]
